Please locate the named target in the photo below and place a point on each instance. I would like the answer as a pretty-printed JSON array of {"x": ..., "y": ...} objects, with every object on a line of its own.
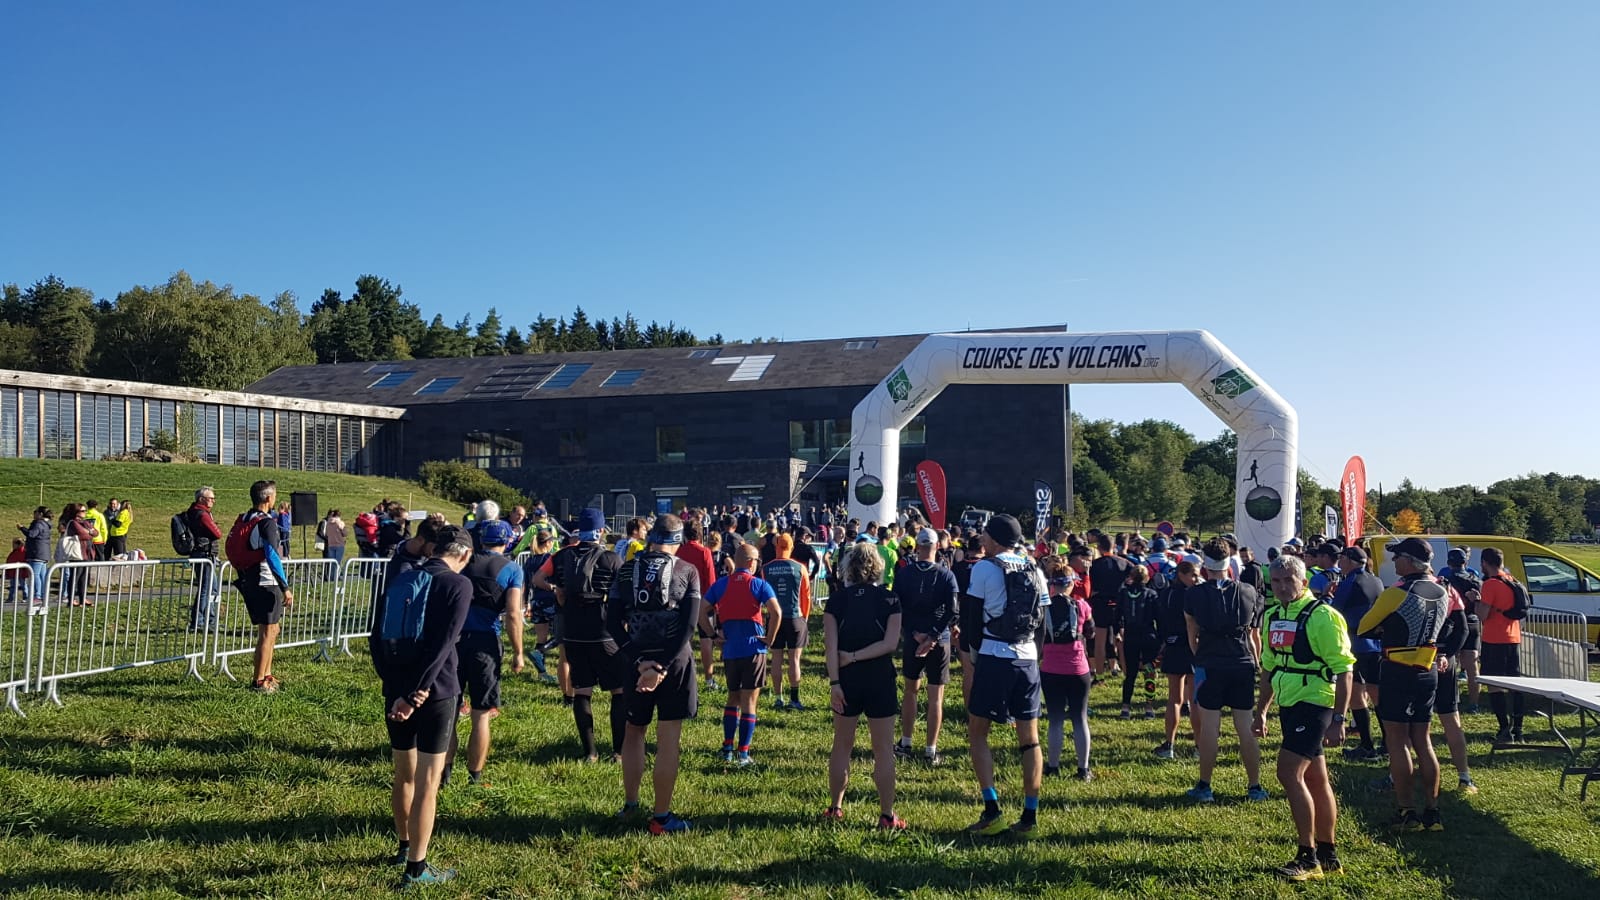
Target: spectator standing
[
  {"x": 37, "y": 538},
  {"x": 393, "y": 530},
  {"x": 206, "y": 534},
  {"x": 91, "y": 512},
  {"x": 1502, "y": 643},
  {"x": 76, "y": 545},
  {"x": 335, "y": 534},
  {"x": 119, "y": 518},
  {"x": 285, "y": 528}
]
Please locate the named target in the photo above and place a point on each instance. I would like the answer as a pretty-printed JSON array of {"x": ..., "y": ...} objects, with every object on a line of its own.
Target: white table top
[{"x": 1567, "y": 690}]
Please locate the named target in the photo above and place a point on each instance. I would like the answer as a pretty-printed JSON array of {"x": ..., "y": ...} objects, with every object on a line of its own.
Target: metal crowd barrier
[
  {"x": 20, "y": 621},
  {"x": 1558, "y": 624},
  {"x": 107, "y": 616},
  {"x": 1547, "y": 657},
  {"x": 522, "y": 558},
  {"x": 308, "y": 622},
  {"x": 359, "y": 588}
]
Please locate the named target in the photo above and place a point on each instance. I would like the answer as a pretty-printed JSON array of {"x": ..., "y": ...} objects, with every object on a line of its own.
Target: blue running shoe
[
  {"x": 431, "y": 874},
  {"x": 1200, "y": 794},
  {"x": 671, "y": 823}
]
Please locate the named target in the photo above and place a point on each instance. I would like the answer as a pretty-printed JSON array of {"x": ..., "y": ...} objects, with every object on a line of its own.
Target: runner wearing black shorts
[
  {"x": 927, "y": 593},
  {"x": 581, "y": 575},
  {"x": 861, "y": 627}
]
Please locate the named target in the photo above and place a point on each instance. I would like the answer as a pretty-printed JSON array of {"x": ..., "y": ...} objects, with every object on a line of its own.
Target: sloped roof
[{"x": 840, "y": 362}]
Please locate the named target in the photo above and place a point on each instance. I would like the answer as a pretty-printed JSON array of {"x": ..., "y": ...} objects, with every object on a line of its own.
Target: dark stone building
[{"x": 752, "y": 423}]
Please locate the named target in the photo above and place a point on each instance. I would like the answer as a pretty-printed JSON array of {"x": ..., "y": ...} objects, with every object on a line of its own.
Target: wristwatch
[{"x": 1338, "y": 718}]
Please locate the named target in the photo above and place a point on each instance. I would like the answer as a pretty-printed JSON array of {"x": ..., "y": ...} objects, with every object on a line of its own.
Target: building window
[
  {"x": 60, "y": 425},
  {"x": 622, "y": 378},
  {"x": 391, "y": 379},
  {"x": 564, "y": 377},
  {"x": 860, "y": 345},
  {"x": 915, "y": 434},
  {"x": 437, "y": 385},
  {"x": 8, "y": 423},
  {"x": 816, "y": 440},
  {"x": 672, "y": 446},
  {"x": 493, "y": 449},
  {"x": 705, "y": 354},
  {"x": 574, "y": 444},
  {"x": 30, "y": 424}
]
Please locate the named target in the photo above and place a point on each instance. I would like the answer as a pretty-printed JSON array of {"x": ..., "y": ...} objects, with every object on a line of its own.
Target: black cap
[
  {"x": 1004, "y": 530},
  {"x": 1414, "y": 547},
  {"x": 1457, "y": 556},
  {"x": 1328, "y": 549},
  {"x": 1355, "y": 555}
]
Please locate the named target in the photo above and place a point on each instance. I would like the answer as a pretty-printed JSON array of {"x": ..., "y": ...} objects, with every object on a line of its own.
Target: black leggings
[
  {"x": 1067, "y": 696},
  {"x": 1138, "y": 662}
]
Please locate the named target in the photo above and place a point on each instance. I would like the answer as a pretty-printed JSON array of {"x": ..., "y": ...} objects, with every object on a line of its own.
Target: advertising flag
[
  {"x": 1330, "y": 517},
  {"x": 1353, "y": 496},
  {"x": 930, "y": 484},
  {"x": 1042, "y": 496}
]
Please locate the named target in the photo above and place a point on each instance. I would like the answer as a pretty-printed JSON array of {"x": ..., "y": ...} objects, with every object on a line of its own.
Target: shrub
[{"x": 466, "y": 484}]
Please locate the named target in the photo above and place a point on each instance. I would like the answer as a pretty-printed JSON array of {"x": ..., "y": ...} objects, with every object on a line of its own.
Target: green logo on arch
[
  {"x": 900, "y": 385},
  {"x": 1232, "y": 383}
]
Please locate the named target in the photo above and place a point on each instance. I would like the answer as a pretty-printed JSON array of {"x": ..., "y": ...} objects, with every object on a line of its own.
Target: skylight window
[
  {"x": 564, "y": 377},
  {"x": 392, "y": 379},
  {"x": 511, "y": 381},
  {"x": 751, "y": 368},
  {"x": 622, "y": 378},
  {"x": 438, "y": 385},
  {"x": 860, "y": 345},
  {"x": 380, "y": 368},
  {"x": 710, "y": 353}
]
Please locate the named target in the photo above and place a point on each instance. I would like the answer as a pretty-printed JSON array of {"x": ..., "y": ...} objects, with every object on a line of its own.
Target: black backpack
[
  {"x": 484, "y": 573},
  {"x": 1230, "y": 618},
  {"x": 1025, "y": 589},
  {"x": 649, "y": 591},
  {"x": 1069, "y": 629},
  {"x": 183, "y": 541},
  {"x": 1520, "y": 601},
  {"x": 1306, "y": 663},
  {"x": 579, "y": 576}
]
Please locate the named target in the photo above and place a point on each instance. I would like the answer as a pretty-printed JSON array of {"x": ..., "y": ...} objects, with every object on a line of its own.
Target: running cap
[
  {"x": 1457, "y": 556},
  {"x": 1158, "y": 545},
  {"x": 495, "y": 533},
  {"x": 1414, "y": 547},
  {"x": 928, "y": 536},
  {"x": 1292, "y": 542},
  {"x": 590, "y": 523},
  {"x": 1355, "y": 555}
]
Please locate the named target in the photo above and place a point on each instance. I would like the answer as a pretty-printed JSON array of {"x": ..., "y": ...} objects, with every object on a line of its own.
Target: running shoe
[
  {"x": 902, "y": 751},
  {"x": 1362, "y": 754},
  {"x": 1256, "y": 794},
  {"x": 779, "y": 705},
  {"x": 711, "y": 685},
  {"x": 1382, "y": 785},
  {"x": 796, "y": 706},
  {"x": 431, "y": 874},
  {"x": 267, "y": 685},
  {"x": 1051, "y": 771},
  {"x": 1405, "y": 820},
  {"x": 744, "y": 760},
  {"x": 988, "y": 824},
  {"x": 672, "y": 823},
  {"x": 1467, "y": 785},
  {"x": 832, "y": 814},
  {"x": 547, "y": 678},
  {"x": 1503, "y": 737},
  {"x": 629, "y": 812},
  {"x": 536, "y": 656},
  {"x": 1301, "y": 869},
  {"x": 1330, "y": 863},
  {"x": 1200, "y": 794},
  {"x": 1084, "y": 775},
  {"x": 891, "y": 822},
  {"x": 725, "y": 754},
  {"x": 1023, "y": 830},
  {"x": 1125, "y": 714},
  {"x": 1165, "y": 751},
  {"x": 932, "y": 759},
  {"x": 1432, "y": 821},
  {"x": 1149, "y": 714}
]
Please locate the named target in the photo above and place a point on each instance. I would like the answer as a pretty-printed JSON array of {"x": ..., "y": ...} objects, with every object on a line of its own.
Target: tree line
[
  {"x": 1154, "y": 470},
  {"x": 204, "y": 335}
]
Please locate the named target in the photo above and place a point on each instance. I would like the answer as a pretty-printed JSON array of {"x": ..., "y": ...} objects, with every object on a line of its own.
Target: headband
[{"x": 667, "y": 537}]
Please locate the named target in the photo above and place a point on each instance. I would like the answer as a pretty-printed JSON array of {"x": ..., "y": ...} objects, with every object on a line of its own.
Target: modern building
[
  {"x": 66, "y": 417},
  {"x": 639, "y": 430}
]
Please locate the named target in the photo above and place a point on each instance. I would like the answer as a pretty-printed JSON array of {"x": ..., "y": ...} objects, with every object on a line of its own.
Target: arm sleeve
[
  {"x": 1382, "y": 608},
  {"x": 1454, "y": 635},
  {"x": 269, "y": 545},
  {"x": 614, "y": 604},
  {"x": 944, "y": 613}
]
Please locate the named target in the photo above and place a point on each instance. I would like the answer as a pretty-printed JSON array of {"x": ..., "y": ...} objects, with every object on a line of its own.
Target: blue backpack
[{"x": 405, "y": 606}]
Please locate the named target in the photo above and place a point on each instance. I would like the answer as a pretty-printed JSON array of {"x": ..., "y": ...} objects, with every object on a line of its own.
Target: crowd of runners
[{"x": 1032, "y": 624}]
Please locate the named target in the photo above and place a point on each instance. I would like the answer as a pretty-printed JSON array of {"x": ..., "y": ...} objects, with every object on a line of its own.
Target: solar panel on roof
[
  {"x": 384, "y": 367},
  {"x": 564, "y": 377},
  {"x": 393, "y": 379},
  {"x": 511, "y": 381},
  {"x": 751, "y": 368},
  {"x": 622, "y": 378},
  {"x": 439, "y": 385}
]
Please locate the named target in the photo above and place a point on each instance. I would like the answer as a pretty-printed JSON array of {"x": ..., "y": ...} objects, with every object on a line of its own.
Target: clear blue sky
[{"x": 1390, "y": 211}]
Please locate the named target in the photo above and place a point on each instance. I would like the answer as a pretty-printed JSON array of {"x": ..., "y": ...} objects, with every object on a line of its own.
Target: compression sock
[
  {"x": 794, "y": 694},
  {"x": 747, "y": 730},
  {"x": 405, "y": 848},
  {"x": 1326, "y": 852},
  {"x": 619, "y": 723},
  {"x": 1363, "y": 720},
  {"x": 1030, "y": 810},
  {"x": 1497, "y": 702},
  {"x": 730, "y": 725},
  {"x": 583, "y": 712},
  {"x": 415, "y": 868},
  {"x": 991, "y": 802},
  {"x": 1517, "y": 712}
]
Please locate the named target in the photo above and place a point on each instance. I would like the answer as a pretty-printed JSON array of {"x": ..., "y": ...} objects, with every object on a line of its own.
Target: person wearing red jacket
[
  {"x": 206, "y": 538},
  {"x": 698, "y": 555}
]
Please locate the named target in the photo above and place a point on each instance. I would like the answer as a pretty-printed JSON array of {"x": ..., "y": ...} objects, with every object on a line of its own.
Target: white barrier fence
[
  {"x": 1558, "y": 624},
  {"x": 360, "y": 585},
  {"x": 1547, "y": 657},
  {"x": 110, "y": 616},
  {"x": 308, "y": 622},
  {"x": 19, "y": 630}
]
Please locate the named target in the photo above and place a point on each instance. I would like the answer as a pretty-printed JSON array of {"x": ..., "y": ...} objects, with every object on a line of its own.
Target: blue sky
[{"x": 1390, "y": 211}]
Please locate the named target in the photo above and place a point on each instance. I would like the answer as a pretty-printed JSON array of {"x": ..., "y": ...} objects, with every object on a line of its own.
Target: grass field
[
  {"x": 160, "y": 489},
  {"x": 147, "y": 785}
]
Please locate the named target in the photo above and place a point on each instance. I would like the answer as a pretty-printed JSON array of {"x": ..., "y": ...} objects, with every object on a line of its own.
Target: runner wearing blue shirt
[
  {"x": 497, "y": 590},
  {"x": 740, "y": 601}
]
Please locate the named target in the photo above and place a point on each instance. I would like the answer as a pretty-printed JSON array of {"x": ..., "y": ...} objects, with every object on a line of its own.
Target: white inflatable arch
[{"x": 1264, "y": 510}]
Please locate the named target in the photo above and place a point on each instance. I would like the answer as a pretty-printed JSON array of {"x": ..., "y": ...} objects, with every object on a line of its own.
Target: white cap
[{"x": 928, "y": 536}]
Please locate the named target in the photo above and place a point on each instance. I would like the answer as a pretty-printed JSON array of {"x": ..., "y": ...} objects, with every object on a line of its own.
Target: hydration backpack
[
  {"x": 1024, "y": 611},
  {"x": 484, "y": 573},
  {"x": 241, "y": 555},
  {"x": 1305, "y": 662},
  {"x": 1069, "y": 629},
  {"x": 1230, "y": 618},
  {"x": 1520, "y": 601},
  {"x": 405, "y": 607},
  {"x": 183, "y": 542},
  {"x": 651, "y": 585},
  {"x": 579, "y": 577}
]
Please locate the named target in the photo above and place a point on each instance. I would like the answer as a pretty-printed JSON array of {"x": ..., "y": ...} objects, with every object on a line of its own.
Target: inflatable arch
[{"x": 1264, "y": 510}]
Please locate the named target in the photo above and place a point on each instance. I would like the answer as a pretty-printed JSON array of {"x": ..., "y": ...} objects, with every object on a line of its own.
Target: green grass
[
  {"x": 160, "y": 489},
  {"x": 148, "y": 785}
]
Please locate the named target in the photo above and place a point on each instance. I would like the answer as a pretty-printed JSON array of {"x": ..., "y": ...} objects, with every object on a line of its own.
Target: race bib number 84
[{"x": 1280, "y": 634}]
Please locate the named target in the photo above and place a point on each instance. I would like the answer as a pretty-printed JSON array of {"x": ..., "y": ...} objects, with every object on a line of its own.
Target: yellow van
[{"x": 1554, "y": 582}]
